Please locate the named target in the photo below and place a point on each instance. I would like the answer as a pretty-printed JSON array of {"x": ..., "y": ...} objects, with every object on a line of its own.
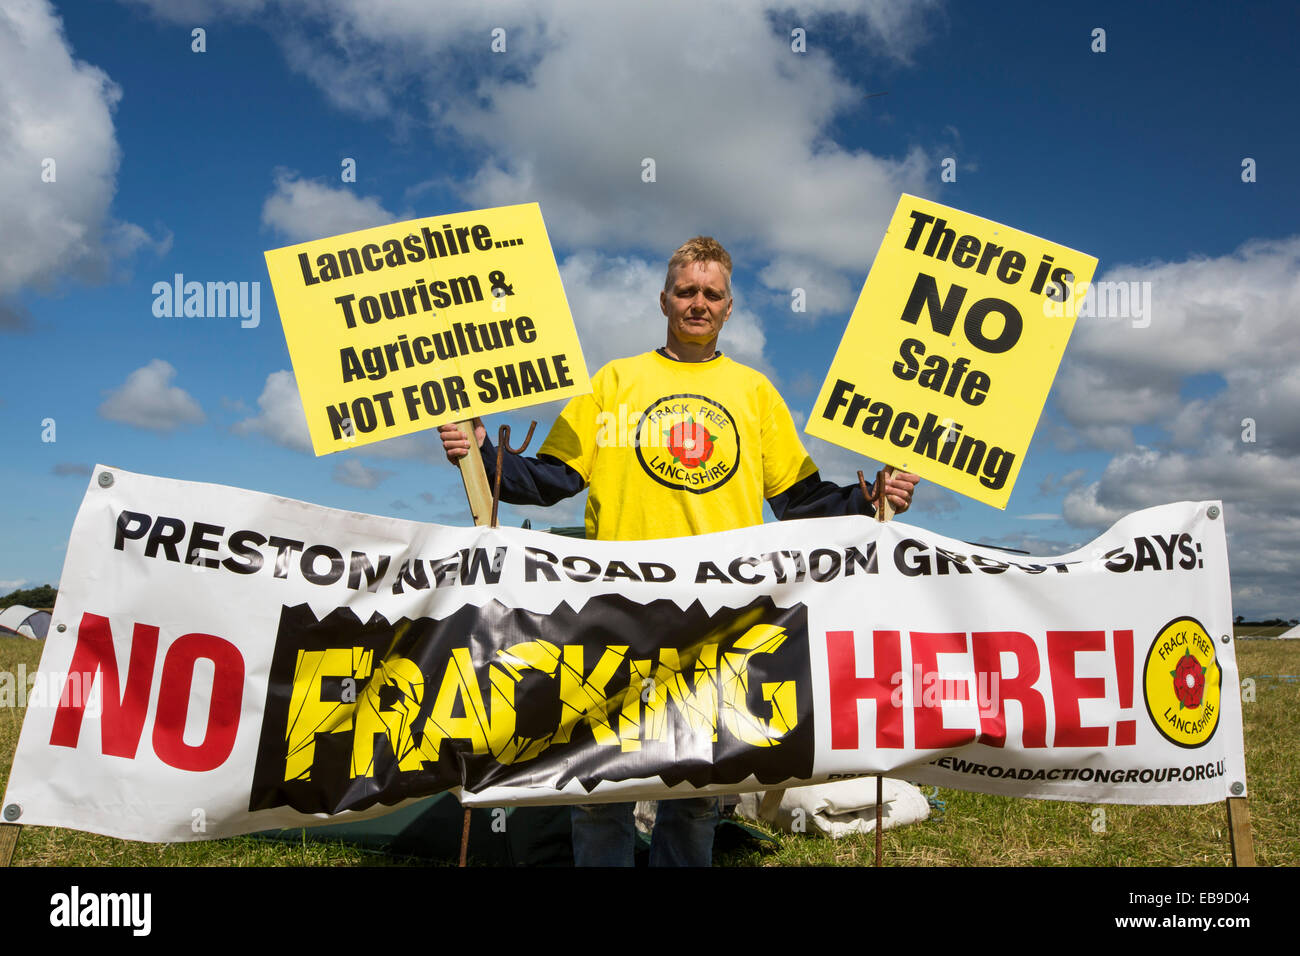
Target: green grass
[{"x": 975, "y": 830}]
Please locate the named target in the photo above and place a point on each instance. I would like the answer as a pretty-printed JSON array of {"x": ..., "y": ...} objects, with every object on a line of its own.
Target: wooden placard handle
[
  {"x": 474, "y": 475},
  {"x": 884, "y": 509}
]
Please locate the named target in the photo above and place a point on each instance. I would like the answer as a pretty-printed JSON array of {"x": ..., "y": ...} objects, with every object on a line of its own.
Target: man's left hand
[{"x": 898, "y": 489}]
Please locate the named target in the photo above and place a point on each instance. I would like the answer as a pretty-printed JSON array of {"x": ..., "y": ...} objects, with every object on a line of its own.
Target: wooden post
[
  {"x": 880, "y": 819},
  {"x": 464, "y": 839},
  {"x": 884, "y": 512},
  {"x": 8, "y": 841},
  {"x": 1239, "y": 837}
]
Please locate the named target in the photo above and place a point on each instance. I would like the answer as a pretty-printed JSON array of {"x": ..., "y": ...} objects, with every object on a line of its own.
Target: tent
[
  {"x": 1263, "y": 632},
  {"x": 431, "y": 829},
  {"x": 503, "y": 836},
  {"x": 24, "y": 622}
]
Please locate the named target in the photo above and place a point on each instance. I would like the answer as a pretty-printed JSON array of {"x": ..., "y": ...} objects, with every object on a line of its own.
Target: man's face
[{"x": 697, "y": 302}]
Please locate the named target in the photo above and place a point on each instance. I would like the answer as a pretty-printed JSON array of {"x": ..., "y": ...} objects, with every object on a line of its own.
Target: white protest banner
[{"x": 239, "y": 661}]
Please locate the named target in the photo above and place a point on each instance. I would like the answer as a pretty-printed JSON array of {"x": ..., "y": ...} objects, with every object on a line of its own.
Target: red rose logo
[
  {"x": 1189, "y": 681},
  {"x": 690, "y": 444},
  {"x": 1181, "y": 683}
]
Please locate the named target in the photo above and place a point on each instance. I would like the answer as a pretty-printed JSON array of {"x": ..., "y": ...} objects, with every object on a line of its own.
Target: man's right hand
[{"x": 454, "y": 442}]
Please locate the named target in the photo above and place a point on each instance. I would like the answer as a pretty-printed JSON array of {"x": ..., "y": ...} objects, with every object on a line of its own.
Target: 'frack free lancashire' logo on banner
[
  {"x": 363, "y": 712},
  {"x": 1182, "y": 683}
]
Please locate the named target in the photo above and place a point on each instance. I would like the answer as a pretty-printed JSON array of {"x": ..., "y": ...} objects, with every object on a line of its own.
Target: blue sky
[{"x": 169, "y": 160}]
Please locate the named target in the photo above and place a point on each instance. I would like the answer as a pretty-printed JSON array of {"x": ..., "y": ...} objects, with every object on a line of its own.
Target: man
[{"x": 680, "y": 441}]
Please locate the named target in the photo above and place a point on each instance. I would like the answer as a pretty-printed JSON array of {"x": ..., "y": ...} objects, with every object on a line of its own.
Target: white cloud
[
  {"x": 1097, "y": 396},
  {"x": 841, "y": 466},
  {"x": 1231, "y": 316},
  {"x": 825, "y": 291},
  {"x": 1033, "y": 544},
  {"x": 569, "y": 513},
  {"x": 894, "y": 29},
  {"x": 418, "y": 446},
  {"x": 1052, "y": 483},
  {"x": 354, "y": 474},
  {"x": 736, "y": 122},
  {"x": 1083, "y": 510},
  {"x": 935, "y": 500},
  {"x": 147, "y": 399},
  {"x": 56, "y": 108},
  {"x": 1217, "y": 366},
  {"x": 749, "y": 163},
  {"x": 1256, "y": 483},
  {"x": 615, "y": 306},
  {"x": 302, "y": 209},
  {"x": 1260, "y": 492},
  {"x": 281, "y": 418}
]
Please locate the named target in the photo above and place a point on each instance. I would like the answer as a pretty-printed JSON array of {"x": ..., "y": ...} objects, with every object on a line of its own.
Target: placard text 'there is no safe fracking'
[
  {"x": 400, "y": 328},
  {"x": 951, "y": 349}
]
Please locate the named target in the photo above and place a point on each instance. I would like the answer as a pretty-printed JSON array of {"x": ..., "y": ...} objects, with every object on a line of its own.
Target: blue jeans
[{"x": 604, "y": 834}]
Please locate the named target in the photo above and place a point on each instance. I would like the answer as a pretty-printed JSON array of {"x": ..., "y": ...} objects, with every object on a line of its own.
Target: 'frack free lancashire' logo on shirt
[{"x": 688, "y": 442}]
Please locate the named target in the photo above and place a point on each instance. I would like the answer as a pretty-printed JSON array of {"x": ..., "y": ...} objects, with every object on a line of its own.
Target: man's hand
[
  {"x": 898, "y": 489},
  {"x": 454, "y": 442}
]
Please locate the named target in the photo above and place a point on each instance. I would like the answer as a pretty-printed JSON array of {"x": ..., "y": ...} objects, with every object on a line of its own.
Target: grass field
[{"x": 974, "y": 830}]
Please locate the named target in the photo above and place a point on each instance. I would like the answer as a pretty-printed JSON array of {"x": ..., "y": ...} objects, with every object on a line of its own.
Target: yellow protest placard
[
  {"x": 404, "y": 327},
  {"x": 951, "y": 349}
]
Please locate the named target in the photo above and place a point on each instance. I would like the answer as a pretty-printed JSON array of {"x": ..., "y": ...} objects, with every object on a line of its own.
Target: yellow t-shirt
[{"x": 670, "y": 448}]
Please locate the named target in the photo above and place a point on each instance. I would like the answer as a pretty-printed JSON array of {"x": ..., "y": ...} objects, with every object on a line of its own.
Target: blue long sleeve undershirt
[{"x": 544, "y": 480}]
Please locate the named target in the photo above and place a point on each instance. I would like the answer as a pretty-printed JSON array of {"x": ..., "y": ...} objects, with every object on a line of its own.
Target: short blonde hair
[{"x": 699, "y": 249}]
